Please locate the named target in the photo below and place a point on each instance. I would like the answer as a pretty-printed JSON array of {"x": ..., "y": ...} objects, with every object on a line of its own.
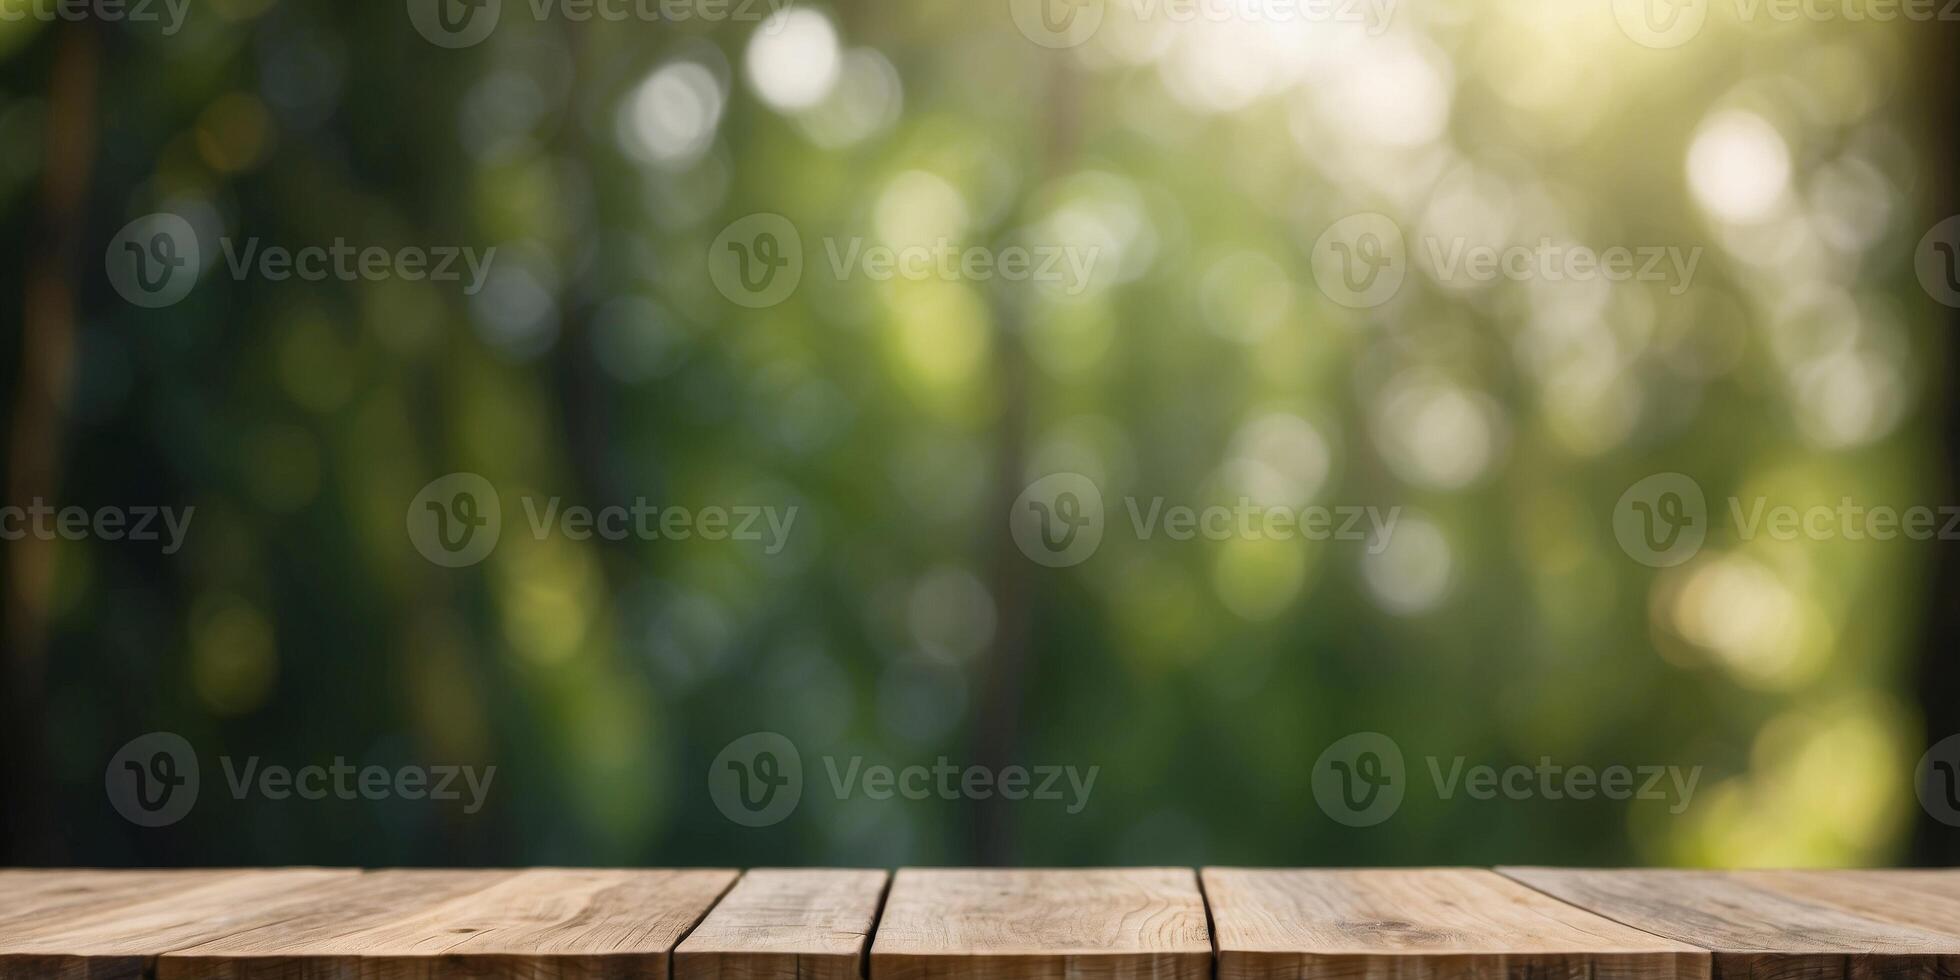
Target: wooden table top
[{"x": 954, "y": 924}]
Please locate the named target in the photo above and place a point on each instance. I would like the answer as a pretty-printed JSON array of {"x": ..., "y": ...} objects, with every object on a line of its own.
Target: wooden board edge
[
  {"x": 42, "y": 966},
  {"x": 1417, "y": 965},
  {"x": 728, "y": 965},
  {"x": 1114, "y": 965},
  {"x": 1771, "y": 965}
]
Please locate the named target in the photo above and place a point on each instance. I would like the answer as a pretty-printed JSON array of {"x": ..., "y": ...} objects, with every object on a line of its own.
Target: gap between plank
[
  {"x": 1211, "y": 926},
  {"x": 674, "y": 951},
  {"x": 877, "y": 917}
]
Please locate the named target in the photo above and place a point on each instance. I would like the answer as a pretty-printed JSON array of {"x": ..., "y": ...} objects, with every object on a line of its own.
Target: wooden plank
[
  {"x": 1140, "y": 924},
  {"x": 1922, "y": 898},
  {"x": 151, "y": 915},
  {"x": 307, "y": 942},
  {"x": 38, "y": 895},
  {"x": 1422, "y": 924},
  {"x": 1127, "y": 924},
  {"x": 779, "y": 924},
  {"x": 406, "y": 925},
  {"x": 1768, "y": 925}
]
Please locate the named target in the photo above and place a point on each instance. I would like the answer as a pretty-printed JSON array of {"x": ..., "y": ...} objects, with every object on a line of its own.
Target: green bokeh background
[{"x": 1204, "y": 678}]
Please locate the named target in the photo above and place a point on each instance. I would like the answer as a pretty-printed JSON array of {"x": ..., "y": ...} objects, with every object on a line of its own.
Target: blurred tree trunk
[
  {"x": 1939, "y": 677},
  {"x": 1004, "y": 672},
  {"x": 47, "y": 347}
]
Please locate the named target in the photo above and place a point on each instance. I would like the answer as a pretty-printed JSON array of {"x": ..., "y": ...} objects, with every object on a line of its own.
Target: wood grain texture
[
  {"x": 108, "y": 929},
  {"x": 1137, "y": 924},
  {"x": 306, "y": 943},
  {"x": 1422, "y": 924},
  {"x": 41, "y": 895},
  {"x": 1928, "y": 900},
  {"x": 1769, "y": 925},
  {"x": 780, "y": 924},
  {"x": 539, "y": 924},
  {"x": 1127, "y": 924}
]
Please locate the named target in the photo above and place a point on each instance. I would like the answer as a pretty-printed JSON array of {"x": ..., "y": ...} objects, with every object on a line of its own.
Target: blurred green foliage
[{"x": 1203, "y": 160}]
